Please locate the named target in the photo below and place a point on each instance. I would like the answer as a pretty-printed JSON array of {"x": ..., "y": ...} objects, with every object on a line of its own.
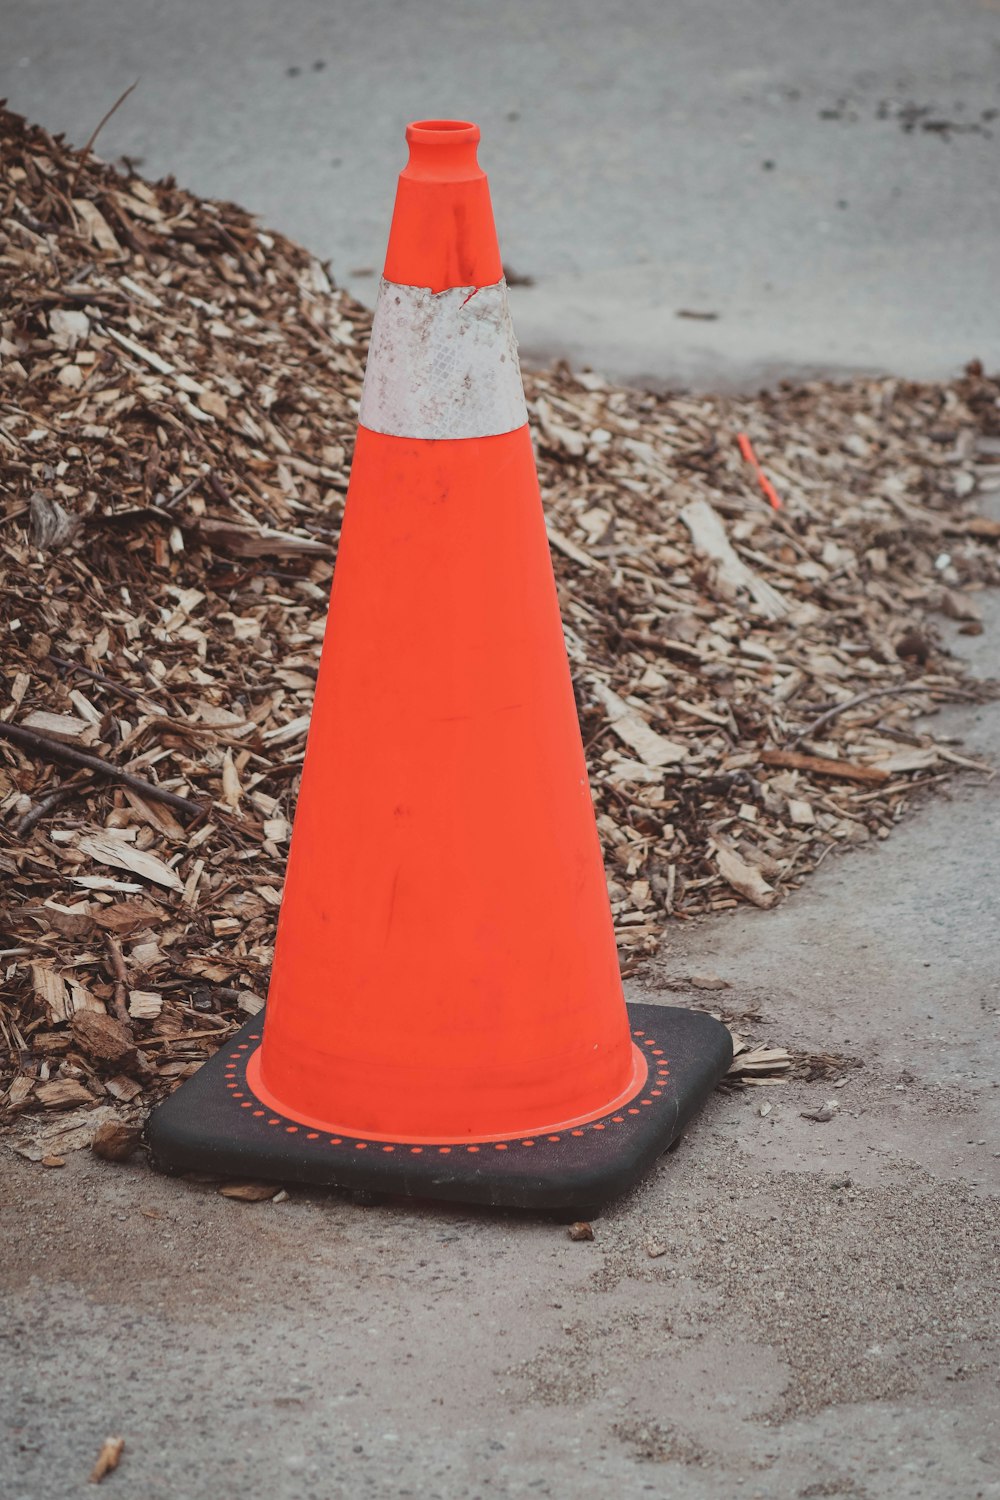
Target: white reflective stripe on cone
[{"x": 442, "y": 365}]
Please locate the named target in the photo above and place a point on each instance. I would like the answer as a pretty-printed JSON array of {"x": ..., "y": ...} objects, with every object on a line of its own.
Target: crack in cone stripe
[{"x": 442, "y": 365}]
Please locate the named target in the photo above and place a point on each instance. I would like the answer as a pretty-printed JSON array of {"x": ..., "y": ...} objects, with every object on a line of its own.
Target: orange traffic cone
[{"x": 445, "y": 1016}]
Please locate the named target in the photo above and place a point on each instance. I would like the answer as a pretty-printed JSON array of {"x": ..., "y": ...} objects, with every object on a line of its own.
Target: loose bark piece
[
  {"x": 145, "y": 1005},
  {"x": 51, "y": 526},
  {"x": 762, "y": 1060},
  {"x": 57, "y": 1134},
  {"x": 265, "y": 542},
  {"x": 116, "y": 1141},
  {"x": 51, "y": 990},
  {"x": 64, "y": 728},
  {"x": 105, "y": 1039},
  {"x": 62, "y": 1093},
  {"x": 121, "y": 979}
]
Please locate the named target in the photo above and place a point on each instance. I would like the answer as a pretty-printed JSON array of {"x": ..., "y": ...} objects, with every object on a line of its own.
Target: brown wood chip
[
  {"x": 116, "y": 1141},
  {"x": 62, "y": 1093},
  {"x": 250, "y": 1192},
  {"x": 105, "y": 1039},
  {"x": 822, "y": 765}
]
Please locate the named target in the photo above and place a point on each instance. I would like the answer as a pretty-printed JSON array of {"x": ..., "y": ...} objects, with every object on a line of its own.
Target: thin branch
[
  {"x": 120, "y": 998},
  {"x": 109, "y": 683},
  {"x": 100, "y": 126},
  {"x": 52, "y": 751},
  {"x": 35, "y": 816},
  {"x": 839, "y": 708},
  {"x": 821, "y": 765}
]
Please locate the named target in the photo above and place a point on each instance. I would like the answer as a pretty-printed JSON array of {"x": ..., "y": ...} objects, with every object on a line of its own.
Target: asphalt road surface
[
  {"x": 823, "y": 180},
  {"x": 786, "y": 1308}
]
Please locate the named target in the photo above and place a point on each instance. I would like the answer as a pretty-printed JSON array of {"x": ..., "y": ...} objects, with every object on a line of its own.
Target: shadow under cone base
[{"x": 215, "y": 1124}]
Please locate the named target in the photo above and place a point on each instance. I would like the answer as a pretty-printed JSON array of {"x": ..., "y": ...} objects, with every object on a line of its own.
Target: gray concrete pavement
[
  {"x": 822, "y": 1320},
  {"x": 825, "y": 179}
]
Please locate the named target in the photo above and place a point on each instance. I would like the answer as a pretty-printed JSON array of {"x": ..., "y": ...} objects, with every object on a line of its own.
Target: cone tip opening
[
  {"x": 442, "y": 150},
  {"x": 441, "y": 132}
]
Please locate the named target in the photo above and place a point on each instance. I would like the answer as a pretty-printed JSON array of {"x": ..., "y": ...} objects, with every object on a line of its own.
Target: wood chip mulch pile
[{"x": 178, "y": 395}]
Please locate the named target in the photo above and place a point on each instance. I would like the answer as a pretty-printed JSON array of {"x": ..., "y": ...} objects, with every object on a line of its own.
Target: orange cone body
[
  {"x": 445, "y": 1018},
  {"x": 445, "y": 967}
]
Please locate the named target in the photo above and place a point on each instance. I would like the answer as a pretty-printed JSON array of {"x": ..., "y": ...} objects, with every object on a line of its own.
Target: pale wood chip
[
  {"x": 96, "y": 226},
  {"x": 67, "y": 728},
  {"x": 567, "y": 547},
  {"x": 652, "y": 749},
  {"x": 232, "y": 791},
  {"x": 743, "y": 877},
  {"x": 50, "y": 988},
  {"x": 144, "y": 1005},
  {"x": 708, "y": 533},
  {"x": 148, "y": 355},
  {"x": 108, "y": 1459},
  {"x": 800, "y": 812},
  {"x": 108, "y": 850}
]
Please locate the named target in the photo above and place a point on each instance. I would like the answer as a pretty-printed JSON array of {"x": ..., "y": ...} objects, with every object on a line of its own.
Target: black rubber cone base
[{"x": 214, "y": 1124}]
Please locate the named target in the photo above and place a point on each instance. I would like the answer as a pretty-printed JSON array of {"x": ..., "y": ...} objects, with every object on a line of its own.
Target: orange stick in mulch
[
  {"x": 446, "y": 1016},
  {"x": 746, "y": 448}
]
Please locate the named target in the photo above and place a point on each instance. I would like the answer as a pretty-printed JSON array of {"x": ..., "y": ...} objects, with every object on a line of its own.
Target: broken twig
[
  {"x": 821, "y": 765},
  {"x": 855, "y": 702},
  {"x": 84, "y": 154},
  {"x": 120, "y": 999},
  {"x": 51, "y": 750}
]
